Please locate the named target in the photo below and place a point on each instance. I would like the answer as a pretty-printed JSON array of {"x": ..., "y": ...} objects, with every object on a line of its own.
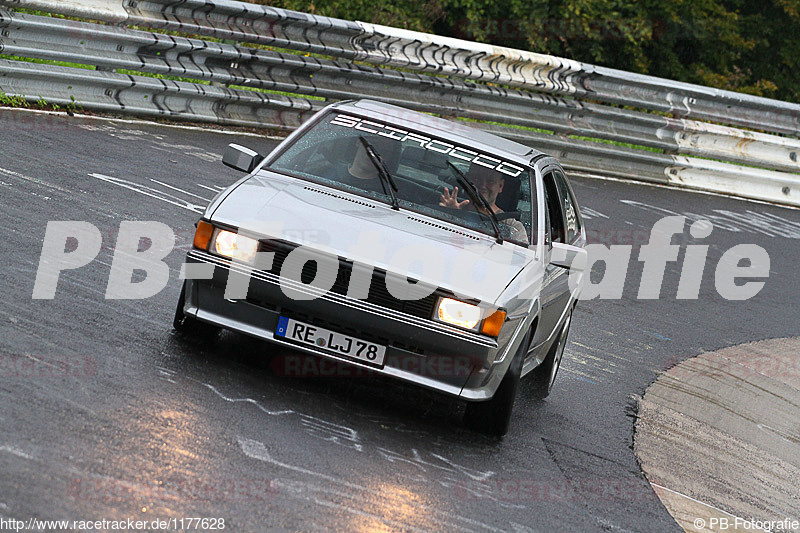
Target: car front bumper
[{"x": 418, "y": 350}]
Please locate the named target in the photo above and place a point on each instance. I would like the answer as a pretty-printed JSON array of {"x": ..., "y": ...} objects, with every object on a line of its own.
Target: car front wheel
[
  {"x": 493, "y": 416},
  {"x": 188, "y": 326},
  {"x": 544, "y": 375}
]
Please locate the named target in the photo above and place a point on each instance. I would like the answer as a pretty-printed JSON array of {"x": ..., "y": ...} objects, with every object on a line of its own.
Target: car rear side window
[
  {"x": 570, "y": 208},
  {"x": 555, "y": 215}
]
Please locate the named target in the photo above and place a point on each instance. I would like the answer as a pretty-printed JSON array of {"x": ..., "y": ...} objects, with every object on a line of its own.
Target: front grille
[{"x": 378, "y": 293}]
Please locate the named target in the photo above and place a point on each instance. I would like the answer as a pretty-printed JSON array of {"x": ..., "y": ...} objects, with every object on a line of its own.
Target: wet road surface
[{"x": 106, "y": 413}]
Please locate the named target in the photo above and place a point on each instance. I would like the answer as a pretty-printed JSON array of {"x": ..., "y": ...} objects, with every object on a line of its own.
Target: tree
[{"x": 730, "y": 44}]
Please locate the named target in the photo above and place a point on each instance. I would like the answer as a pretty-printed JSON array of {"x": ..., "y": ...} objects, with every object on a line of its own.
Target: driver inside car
[
  {"x": 489, "y": 184},
  {"x": 360, "y": 171}
]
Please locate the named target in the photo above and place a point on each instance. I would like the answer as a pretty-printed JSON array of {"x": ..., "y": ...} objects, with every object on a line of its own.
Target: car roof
[{"x": 447, "y": 129}]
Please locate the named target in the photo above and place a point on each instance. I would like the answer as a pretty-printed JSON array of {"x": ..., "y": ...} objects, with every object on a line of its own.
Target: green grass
[
  {"x": 617, "y": 143},
  {"x": 514, "y": 126},
  {"x": 12, "y": 101},
  {"x": 47, "y": 62},
  {"x": 160, "y": 76},
  {"x": 576, "y": 137},
  {"x": 151, "y": 75},
  {"x": 22, "y": 102},
  {"x": 281, "y": 93},
  {"x": 42, "y": 13}
]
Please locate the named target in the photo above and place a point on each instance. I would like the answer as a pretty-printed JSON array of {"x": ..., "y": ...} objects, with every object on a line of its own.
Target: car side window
[
  {"x": 554, "y": 209},
  {"x": 570, "y": 208}
]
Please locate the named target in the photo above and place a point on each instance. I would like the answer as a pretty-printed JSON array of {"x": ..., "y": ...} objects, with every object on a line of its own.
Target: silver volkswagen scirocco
[{"x": 412, "y": 246}]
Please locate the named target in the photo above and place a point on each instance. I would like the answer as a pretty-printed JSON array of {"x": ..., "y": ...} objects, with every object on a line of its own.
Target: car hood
[{"x": 470, "y": 264}]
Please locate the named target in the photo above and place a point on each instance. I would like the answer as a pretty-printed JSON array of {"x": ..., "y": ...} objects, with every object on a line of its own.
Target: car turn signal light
[
  {"x": 202, "y": 235},
  {"x": 493, "y": 323}
]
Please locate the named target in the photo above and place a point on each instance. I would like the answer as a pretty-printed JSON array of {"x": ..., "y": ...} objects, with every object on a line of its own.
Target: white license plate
[{"x": 330, "y": 341}]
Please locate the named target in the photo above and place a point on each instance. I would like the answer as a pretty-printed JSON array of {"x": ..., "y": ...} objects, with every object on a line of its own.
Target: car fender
[{"x": 483, "y": 383}]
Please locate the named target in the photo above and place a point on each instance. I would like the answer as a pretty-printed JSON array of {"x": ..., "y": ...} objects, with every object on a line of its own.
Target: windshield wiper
[
  {"x": 383, "y": 172},
  {"x": 476, "y": 195}
]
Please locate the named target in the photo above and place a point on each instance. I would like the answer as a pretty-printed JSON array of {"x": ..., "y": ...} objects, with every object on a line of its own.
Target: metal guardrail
[
  {"x": 151, "y": 97},
  {"x": 229, "y": 19},
  {"x": 562, "y": 111},
  {"x": 112, "y": 48}
]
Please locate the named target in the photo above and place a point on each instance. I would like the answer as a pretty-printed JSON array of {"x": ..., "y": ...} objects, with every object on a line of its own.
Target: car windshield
[{"x": 340, "y": 151}]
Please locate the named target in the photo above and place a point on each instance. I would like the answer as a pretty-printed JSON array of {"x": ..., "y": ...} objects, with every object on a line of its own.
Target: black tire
[
  {"x": 180, "y": 319},
  {"x": 544, "y": 375},
  {"x": 188, "y": 326},
  {"x": 493, "y": 416}
]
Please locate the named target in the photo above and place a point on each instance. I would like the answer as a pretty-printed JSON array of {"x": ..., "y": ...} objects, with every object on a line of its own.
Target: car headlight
[
  {"x": 459, "y": 314},
  {"x": 225, "y": 243},
  {"x": 469, "y": 316},
  {"x": 235, "y": 246}
]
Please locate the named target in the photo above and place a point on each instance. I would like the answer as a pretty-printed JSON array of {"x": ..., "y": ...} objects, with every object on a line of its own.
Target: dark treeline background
[{"x": 752, "y": 46}]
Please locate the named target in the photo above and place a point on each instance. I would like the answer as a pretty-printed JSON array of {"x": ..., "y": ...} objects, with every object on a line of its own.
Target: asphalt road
[{"x": 106, "y": 414}]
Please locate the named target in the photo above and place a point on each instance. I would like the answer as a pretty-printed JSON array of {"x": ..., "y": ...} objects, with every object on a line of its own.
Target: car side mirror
[
  {"x": 570, "y": 257},
  {"x": 241, "y": 158}
]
